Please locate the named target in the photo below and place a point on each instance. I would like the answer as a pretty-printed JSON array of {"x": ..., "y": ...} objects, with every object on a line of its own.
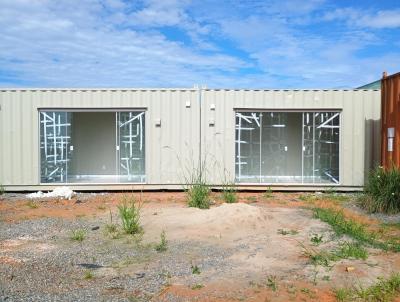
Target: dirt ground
[{"x": 253, "y": 250}]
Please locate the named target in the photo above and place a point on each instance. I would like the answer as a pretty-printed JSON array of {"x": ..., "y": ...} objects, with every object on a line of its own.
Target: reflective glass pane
[
  {"x": 326, "y": 146},
  {"x": 131, "y": 139},
  {"x": 247, "y": 143},
  {"x": 55, "y": 138}
]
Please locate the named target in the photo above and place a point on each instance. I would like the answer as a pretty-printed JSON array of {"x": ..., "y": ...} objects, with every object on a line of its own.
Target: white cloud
[
  {"x": 270, "y": 44},
  {"x": 56, "y": 45},
  {"x": 361, "y": 18}
]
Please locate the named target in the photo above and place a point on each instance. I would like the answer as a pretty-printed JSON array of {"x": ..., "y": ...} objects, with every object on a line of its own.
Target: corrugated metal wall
[
  {"x": 359, "y": 125},
  {"x": 175, "y": 144},
  {"x": 167, "y": 147},
  {"x": 390, "y": 119}
]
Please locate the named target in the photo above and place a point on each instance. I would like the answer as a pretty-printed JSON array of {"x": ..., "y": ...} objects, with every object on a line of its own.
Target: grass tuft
[
  {"x": 357, "y": 231},
  {"x": 352, "y": 250},
  {"x": 268, "y": 193},
  {"x": 31, "y": 204},
  {"x": 163, "y": 245},
  {"x": 78, "y": 235},
  {"x": 197, "y": 190},
  {"x": 129, "y": 213},
  {"x": 272, "y": 282},
  {"x": 198, "y": 196},
  {"x": 317, "y": 239},
  {"x": 195, "y": 270},
  {"x": 287, "y": 232},
  {"x": 384, "y": 290},
  {"x": 88, "y": 275},
  {"x": 229, "y": 194},
  {"x": 382, "y": 191},
  {"x": 342, "y": 294},
  {"x": 197, "y": 286}
]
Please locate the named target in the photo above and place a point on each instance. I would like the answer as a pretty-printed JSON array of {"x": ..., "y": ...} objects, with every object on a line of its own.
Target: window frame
[
  {"x": 286, "y": 110},
  {"x": 94, "y": 110}
]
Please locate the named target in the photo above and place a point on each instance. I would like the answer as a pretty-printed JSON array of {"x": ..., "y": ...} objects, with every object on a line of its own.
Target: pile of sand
[{"x": 227, "y": 219}]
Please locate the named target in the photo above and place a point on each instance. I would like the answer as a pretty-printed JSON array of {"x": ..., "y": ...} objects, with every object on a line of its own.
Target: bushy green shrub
[
  {"x": 129, "y": 212},
  {"x": 198, "y": 195},
  {"x": 382, "y": 191}
]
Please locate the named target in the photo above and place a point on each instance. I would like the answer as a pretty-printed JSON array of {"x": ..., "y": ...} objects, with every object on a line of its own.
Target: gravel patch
[{"x": 46, "y": 265}]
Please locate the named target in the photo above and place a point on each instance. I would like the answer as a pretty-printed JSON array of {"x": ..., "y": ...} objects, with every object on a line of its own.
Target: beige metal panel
[
  {"x": 166, "y": 146},
  {"x": 174, "y": 145},
  {"x": 359, "y": 108}
]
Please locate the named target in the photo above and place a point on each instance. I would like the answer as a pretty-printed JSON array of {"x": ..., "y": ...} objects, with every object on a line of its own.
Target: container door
[
  {"x": 131, "y": 146},
  {"x": 55, "y": 145}
]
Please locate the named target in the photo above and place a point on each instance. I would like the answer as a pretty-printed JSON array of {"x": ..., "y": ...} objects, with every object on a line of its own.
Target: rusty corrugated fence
[{"x": 390, "y": 98}]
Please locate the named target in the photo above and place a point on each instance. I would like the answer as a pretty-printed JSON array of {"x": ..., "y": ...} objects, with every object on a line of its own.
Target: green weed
[
  {"x": 197, "y": 286},
  {"x": 88, "y": 275},
  {"x": 129, "y": 213},
  {"x": 197, "y": 190},
  {"x": 252, "y": 198},
  {"x": 287, "y": 232},
  {"x": 268, "y": 193},
  {"x": 384, "y": 290},
  {"x": 352, "y": 250},
  {"x": 272, "y": 282},
  {"x": 163, "y": 245},
  {"x": 382, "y": 191},
  {"x": 308, "y": 197},
  {"x": 317, "y": 239},
  {"x": 392, "y": 225},
  {"x": 342, "y": 294},
  {"x": 2, "y": 190},
  {"x": 78, "y": 235},
  {"x": 195, "y": 270},
  {"x": 229, "y": 194},
  {"x": 357, "y": 231},
  {"x": 31, "y": 204}
]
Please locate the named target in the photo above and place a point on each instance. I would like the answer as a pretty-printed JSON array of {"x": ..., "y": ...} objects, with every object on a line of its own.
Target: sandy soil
[{"x": 250, "y": 232}]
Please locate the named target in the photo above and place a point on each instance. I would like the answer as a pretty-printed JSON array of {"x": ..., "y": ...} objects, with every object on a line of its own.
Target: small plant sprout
[
  {"x": 272, "y": 282},
  {"x": 197, "y": 286},
  {"x": 162, "y": 246},
  {"x": 268, "y": 193},
  {"x": 229, "y": 193},
  {"x": 88, "y": 275},
  {"x": 195, "y": 270},
  {"x": 31, "y": 204},
  {"x": 342, "y": 294},
  {"x": 287, "y": 232},
  {"x": 317, "y": 239},
  {"x": 2, "y": 190},
  {"x": 78, "y": 235},
  {"x": 111, "y": 229},
  {"x": 129, "y": 212}
]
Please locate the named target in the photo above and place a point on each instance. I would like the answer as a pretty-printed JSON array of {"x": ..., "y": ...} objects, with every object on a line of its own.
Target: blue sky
[{"x": 226, "y": 44}]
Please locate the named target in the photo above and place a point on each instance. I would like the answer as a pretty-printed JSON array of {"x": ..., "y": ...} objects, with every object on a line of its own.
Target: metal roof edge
[
  {"x": 92, "y": 89},
  {"x": 176, "y": 89}
]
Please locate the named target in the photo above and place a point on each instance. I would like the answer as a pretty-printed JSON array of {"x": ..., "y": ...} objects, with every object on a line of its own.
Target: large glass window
[
  {"x": 92, "y": 147},
  {"x": 287, "y": 147}
]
